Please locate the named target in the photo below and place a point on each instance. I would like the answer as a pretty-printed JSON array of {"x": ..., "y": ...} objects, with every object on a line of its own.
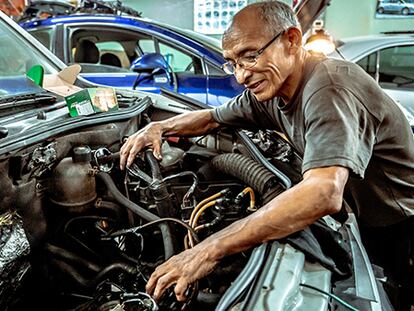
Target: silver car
[
  {"x": 403, "y": 7},
  {"x": 389, "y": 59}
]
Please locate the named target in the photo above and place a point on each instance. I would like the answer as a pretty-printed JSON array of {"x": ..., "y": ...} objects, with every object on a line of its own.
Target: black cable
[
  {"x": 192, "y": 188},
  {"x": 135, "y": 171},
  {"x": 140, "y": 211},
  {"x": 135, "y": 229},
  {"x": 334, "y": 297}
]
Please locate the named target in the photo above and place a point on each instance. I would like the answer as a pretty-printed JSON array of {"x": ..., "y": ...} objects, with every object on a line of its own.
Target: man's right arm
[{"x": 187, "y": 124}]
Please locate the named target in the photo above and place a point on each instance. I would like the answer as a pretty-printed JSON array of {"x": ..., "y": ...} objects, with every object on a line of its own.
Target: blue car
[{"x": 135, "y": 53}]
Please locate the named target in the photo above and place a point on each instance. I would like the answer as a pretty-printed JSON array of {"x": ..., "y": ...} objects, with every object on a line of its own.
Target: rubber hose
[
  {"x": 247, "y": 170},
  {"x": 155, "y": 168},
  {"x": 72, "y": 272},
  {"x": 65, "y": 254},
  {"x": 110, "y": 206},
  {"x": 141, "y": 212},
  {"x": 161, "y": 195},
  {"x": 81, "y": 280},
  {"x": 256, "y": 154}
]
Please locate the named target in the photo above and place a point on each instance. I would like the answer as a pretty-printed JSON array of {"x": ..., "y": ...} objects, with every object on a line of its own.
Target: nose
[{"x": 242, "y": 74}]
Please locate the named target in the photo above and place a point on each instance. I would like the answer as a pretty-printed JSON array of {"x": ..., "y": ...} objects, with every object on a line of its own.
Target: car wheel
[
  {"x": 405, "y": 11},
  {"x": 380, "y": 10}
]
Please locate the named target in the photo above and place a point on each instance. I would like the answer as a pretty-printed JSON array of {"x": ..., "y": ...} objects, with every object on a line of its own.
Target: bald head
[{"x": 273, "y": 17}]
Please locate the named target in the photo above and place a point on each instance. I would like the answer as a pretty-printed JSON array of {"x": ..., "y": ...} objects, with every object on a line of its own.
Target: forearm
[
  {"x": 189, "y": 124},
  {"x": 290, "y": 212}
]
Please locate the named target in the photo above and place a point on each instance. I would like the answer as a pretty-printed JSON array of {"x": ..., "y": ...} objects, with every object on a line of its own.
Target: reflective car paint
[
  {"x": 359, "y": 48},
  {"x": 210, "y": 89}
]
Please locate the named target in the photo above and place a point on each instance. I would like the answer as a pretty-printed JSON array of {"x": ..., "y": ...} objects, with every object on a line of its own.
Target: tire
[
  {"x": 405, "y": 11},
  {"x": 380, "y": 10}
]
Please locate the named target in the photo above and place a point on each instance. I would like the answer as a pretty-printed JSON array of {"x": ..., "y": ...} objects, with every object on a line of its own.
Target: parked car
[
  {"x": 130, "y": 52},
  {"x": 389, "y": 59},
  {"x": 123, "y": 51},
  {"x": 79, "y": 234},
  {"x": 403, "y": 7}
]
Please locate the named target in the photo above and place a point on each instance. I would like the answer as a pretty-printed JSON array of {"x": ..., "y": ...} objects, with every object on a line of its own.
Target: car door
[
  {"x": 388, "y": 5},
  {"x": 393, "y": 68},
  {"x": 185, "y": 74},
  {"x": 90, "y": 45},
  {"x": 221, "y": 87},
  {"x": 188, "y": 75}
]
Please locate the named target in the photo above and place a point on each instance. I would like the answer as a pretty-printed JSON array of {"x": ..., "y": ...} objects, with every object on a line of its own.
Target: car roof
[{"x": 357, "y": 47}]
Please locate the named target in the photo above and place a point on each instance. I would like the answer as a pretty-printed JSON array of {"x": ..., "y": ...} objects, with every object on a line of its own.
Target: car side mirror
[{"x": 151, "y": 66}]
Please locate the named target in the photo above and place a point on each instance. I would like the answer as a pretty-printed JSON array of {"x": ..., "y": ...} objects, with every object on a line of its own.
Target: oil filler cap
[{"x": 82, "y": 154}]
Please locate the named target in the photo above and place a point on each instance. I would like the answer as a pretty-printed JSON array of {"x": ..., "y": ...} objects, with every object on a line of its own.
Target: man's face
[{"x": 267, "y": 77}]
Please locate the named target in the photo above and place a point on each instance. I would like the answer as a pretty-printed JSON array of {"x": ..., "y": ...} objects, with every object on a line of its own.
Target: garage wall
[
  {"x": 175, "y": 12},
  {"x": 352, "y": 18},
  {"x": 343, "y": 18}
]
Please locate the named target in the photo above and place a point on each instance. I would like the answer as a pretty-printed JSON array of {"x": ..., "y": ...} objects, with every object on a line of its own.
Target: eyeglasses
[{"x": 247, "y": 62}]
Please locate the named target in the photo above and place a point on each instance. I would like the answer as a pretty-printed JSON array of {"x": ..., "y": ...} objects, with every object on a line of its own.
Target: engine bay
[{"x": 89, "y": 235}]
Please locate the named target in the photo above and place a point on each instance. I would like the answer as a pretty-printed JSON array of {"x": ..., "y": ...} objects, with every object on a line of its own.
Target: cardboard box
[
  {"x": 62, "y": 83},
  {"x": 91, "y": 100}
]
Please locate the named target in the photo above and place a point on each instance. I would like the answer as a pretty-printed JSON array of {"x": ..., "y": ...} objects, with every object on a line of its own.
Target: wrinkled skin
[
  {"x": 149, "y": 136},
  {"x": 276, "y": 72},
  {"x": 182, "y": 269}
]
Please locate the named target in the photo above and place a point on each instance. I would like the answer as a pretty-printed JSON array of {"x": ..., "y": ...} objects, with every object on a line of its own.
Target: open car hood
[{"x": 308, "y": 11}]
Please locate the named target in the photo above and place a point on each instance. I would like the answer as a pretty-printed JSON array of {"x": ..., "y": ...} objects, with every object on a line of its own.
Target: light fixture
[{"x": 320, "y": 41}]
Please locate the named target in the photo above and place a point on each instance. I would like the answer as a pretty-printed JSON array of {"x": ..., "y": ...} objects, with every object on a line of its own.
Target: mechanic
[{"x": 355, "y": 142}]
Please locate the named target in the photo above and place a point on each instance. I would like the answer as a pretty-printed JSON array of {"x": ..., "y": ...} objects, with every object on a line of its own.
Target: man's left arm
[{"x": 318, "y": 194}]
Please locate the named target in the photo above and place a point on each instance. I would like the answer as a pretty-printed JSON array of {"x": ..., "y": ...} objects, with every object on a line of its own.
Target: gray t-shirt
[{"x": 340, "y": 116}]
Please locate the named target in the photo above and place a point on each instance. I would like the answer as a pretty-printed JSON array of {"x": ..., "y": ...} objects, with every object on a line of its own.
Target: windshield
[{"x": 17, "y": 56}]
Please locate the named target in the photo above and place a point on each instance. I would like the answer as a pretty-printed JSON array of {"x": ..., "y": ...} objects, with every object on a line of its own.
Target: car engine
[{"x": 80, "y": 234}]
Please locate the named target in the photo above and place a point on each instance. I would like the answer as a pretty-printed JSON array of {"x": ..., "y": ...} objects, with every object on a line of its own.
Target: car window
[
  {"x": 177, "y": 60},
  {"x": 146, "y": 46},
  {"x": 112, "y": 53},
  {"x": 215, "y": 71},
  {"x": 368, "y": 63},
  {"x": 102, "y": 45},
  {"x": 396, "y": 66},
  {"x": 109, "y": 47},
  {"x": 44, "y": 36}
]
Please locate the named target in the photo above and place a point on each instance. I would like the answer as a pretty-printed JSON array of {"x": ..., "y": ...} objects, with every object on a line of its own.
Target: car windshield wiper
[{"x": 18, "y": 101}]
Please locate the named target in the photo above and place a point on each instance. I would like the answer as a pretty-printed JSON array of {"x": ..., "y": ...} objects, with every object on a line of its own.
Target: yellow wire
[
  {"x": 252, "y": 197},
  {"x": 198, "y": 228},
  {"x": 199, "y": 205},
  {"x": 197, "y": 216},
  {"x": 201, "y": 210},
  {"x": 188, "y": 237}
]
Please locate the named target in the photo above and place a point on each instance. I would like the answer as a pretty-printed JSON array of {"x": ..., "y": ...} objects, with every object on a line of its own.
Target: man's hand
[
  {"x": 149, "y": 136},
  {"x": 182, "y": 270}
]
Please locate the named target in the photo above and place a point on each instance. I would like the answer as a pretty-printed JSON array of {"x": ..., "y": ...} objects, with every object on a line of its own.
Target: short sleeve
[
  {"x": 339, "y": 131},
  {"x": 245, "y": 111},
  {"x": 238, "y": 112}
]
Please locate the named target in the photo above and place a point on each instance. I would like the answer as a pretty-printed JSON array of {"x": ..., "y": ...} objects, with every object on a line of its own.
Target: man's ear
[{"x": 294, "y": 36}]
